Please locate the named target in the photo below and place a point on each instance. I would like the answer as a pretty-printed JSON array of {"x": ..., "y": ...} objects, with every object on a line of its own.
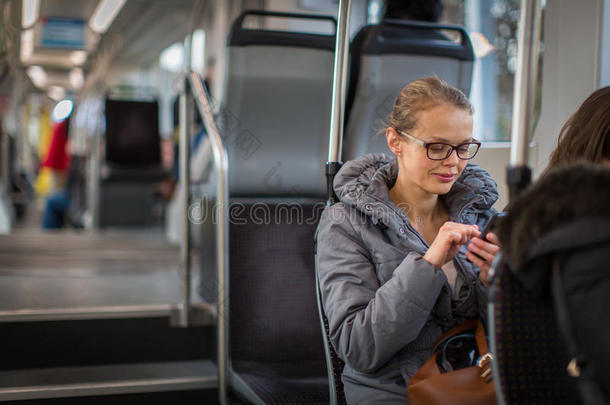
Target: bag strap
[
  {"x": 469, "y": 324},
  {"x": 480, "y": 337}
]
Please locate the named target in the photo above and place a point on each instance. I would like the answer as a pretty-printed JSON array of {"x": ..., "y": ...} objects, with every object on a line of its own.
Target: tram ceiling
[{"x": 60, "y": 36}]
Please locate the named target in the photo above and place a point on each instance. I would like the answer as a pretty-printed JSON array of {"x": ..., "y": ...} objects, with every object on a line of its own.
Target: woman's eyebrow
[{"x": 434, "y": 139}]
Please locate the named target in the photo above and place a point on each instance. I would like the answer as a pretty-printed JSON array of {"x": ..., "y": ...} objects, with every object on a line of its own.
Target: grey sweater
[{"x": 385, "y": 304}]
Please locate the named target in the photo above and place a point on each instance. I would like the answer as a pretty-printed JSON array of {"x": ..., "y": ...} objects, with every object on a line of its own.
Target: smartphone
[{"x": 490, "y": 225}]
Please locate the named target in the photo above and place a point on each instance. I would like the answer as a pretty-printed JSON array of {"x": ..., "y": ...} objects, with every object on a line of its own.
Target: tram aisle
[{"x": 86, "y": 318}]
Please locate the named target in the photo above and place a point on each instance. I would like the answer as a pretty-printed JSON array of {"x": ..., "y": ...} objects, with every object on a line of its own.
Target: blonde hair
[{"x": 422, "y": 94}]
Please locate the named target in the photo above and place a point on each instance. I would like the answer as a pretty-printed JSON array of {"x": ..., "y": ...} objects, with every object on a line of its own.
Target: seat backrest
[
  {"x": 385, "y": 58},
  {"x": 132, "y": 133},
  {"x": 530, "y": 356},
  {"x": 275, "y": 114},
  {"x": 272, "y": 283}
]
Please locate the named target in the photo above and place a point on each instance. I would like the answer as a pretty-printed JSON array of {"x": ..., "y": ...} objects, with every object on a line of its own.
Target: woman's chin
[{"x": 440, "y": 189}]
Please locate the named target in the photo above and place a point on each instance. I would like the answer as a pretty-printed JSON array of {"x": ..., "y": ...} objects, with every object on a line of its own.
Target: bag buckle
[
  {"x": 484, "y": 361},
  {"x": 484, "y": 358}
]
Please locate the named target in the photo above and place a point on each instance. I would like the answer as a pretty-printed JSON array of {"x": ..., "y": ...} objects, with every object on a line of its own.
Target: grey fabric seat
[
  {"x": 275, "y": 120},
  {"x": 276, "y": 112},
  {"x": 386, "y": 57}
]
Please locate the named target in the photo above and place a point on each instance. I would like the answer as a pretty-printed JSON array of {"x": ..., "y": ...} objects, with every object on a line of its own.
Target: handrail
[
  {"x": 338, "y": 95},
  {"x": 518, "y": 173},
  {"x": 221, "y": 164},
  {"x": 185, "y": 180}
]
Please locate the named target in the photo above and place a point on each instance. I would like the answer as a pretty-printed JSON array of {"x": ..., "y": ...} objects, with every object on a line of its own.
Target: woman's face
[{"x": 441, "y": 123}]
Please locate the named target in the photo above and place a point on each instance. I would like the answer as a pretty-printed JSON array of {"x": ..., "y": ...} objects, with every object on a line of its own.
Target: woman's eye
[{"x": 437, "y": 148}]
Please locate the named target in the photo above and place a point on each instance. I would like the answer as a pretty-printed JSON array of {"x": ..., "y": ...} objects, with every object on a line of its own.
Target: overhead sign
[{"x": 64, "y": 33}]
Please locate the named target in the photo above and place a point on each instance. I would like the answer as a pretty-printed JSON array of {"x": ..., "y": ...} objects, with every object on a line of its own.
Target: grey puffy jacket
[{"x": 385, "y": 304}]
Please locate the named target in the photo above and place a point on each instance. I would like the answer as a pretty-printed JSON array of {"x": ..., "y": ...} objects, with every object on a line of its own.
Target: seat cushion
[{"x": 286, "y": 383}]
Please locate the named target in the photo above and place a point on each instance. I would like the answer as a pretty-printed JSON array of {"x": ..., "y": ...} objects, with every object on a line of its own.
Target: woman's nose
[{"x": 452, "y": 159}]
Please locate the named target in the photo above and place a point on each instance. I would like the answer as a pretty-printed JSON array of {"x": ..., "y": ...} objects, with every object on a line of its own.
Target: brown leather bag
[{"x": 467, "y": 386}]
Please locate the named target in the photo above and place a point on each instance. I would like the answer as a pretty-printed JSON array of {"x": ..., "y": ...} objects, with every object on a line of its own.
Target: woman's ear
[{"x": 393, "y": 139}]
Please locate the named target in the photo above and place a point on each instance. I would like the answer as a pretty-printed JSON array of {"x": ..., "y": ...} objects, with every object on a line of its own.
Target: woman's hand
[
  {"x": 482, "y": 252},
  {"x": 448, "y": 241}
]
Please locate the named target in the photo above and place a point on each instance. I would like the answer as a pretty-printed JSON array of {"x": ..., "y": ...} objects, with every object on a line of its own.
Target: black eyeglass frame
[{"x": 453, "y": 148}]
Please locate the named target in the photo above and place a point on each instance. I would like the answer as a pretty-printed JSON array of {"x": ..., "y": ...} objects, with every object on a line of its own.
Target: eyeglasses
[{"x": 441, "y": 151}]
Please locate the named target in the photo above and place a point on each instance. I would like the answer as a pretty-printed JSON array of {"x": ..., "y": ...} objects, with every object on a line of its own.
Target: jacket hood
[
  {"x": 364, "y": 183},
  {"x": 566, "y": 208}
]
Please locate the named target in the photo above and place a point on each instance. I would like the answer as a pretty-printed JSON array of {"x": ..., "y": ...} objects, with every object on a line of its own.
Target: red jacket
[{"x": 57, "y": 157}]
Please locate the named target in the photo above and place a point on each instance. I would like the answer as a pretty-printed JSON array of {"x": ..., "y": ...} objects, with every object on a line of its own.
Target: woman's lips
[{"x": 445, "y": 178}]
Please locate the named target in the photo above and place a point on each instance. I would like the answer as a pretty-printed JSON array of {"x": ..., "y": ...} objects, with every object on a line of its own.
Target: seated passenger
[
  {"x": 395, "y": 265},
  {"x": 586, "y": 135},
  {"x": 562, "y": 223}
]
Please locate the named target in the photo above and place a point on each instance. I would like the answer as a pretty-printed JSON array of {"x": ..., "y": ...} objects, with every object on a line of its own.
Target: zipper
[{"x": 407, "y": 223}]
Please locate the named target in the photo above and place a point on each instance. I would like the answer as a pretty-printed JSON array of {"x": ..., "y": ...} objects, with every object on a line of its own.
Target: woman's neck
[{"x": 419, "y": 205}]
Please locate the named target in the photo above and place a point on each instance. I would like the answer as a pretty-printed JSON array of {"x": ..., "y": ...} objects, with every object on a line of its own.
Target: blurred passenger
[
  {"x": 563, "y": 220},
  {"x": 394, "y": 269},
  {"x": 58, "y": 160},
  {"x": 586, "y": 135}
]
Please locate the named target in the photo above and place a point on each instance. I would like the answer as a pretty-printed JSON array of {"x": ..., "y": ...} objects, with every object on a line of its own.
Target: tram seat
[
  {"x": 386, "y": 57},
  {"x": 132, "y": 166},
  {"x": 275, "y": 121},
  {"x": 540, "y": 250}
]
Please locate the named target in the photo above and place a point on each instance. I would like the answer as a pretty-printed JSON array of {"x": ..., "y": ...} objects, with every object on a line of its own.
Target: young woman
[{"x": 398, "y": 257}]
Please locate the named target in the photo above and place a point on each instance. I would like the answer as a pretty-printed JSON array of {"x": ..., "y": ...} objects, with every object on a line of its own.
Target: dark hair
[
  {"x": 419, "y": 10},
  {"x": 421, "y": 94},
  {"x": 586, "y": 135}
]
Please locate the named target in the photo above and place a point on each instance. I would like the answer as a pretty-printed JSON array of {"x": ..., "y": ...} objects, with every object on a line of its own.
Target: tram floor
[
  {"x": 58, "y": 275},
  {"x": 76, "y": 304}
]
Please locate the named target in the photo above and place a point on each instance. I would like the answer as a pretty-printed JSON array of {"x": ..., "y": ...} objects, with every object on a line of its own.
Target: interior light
[
  {"x": 78, "y": 57},
  {"x": 27, "y": 44},
  {"x": 37, "y": 75},
  {"x": 172, "y": 58},
  {"x": 62, "y": 110},
  {"x": 198, "y": 51},
  {"x": 56, "y": 92},
  {"x": 77, "y": 79},
  {"x": 104, "y": 14},
  {"x": 29, "y": 13}
]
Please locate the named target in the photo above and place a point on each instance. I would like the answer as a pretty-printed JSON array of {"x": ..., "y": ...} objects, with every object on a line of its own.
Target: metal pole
[
  {"x": 338, "y": 95},
  {"x": 222, "y": 231},
  {"x": 186, "y": 120},
  {"x": 518, "y": 173},
  {"x": 6, "y": 179}
]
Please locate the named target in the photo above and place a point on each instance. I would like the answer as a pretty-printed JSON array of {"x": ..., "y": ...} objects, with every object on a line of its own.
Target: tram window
[
  {"x": 132, "y": 133},
  {"x": 492, "y": 25}
]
